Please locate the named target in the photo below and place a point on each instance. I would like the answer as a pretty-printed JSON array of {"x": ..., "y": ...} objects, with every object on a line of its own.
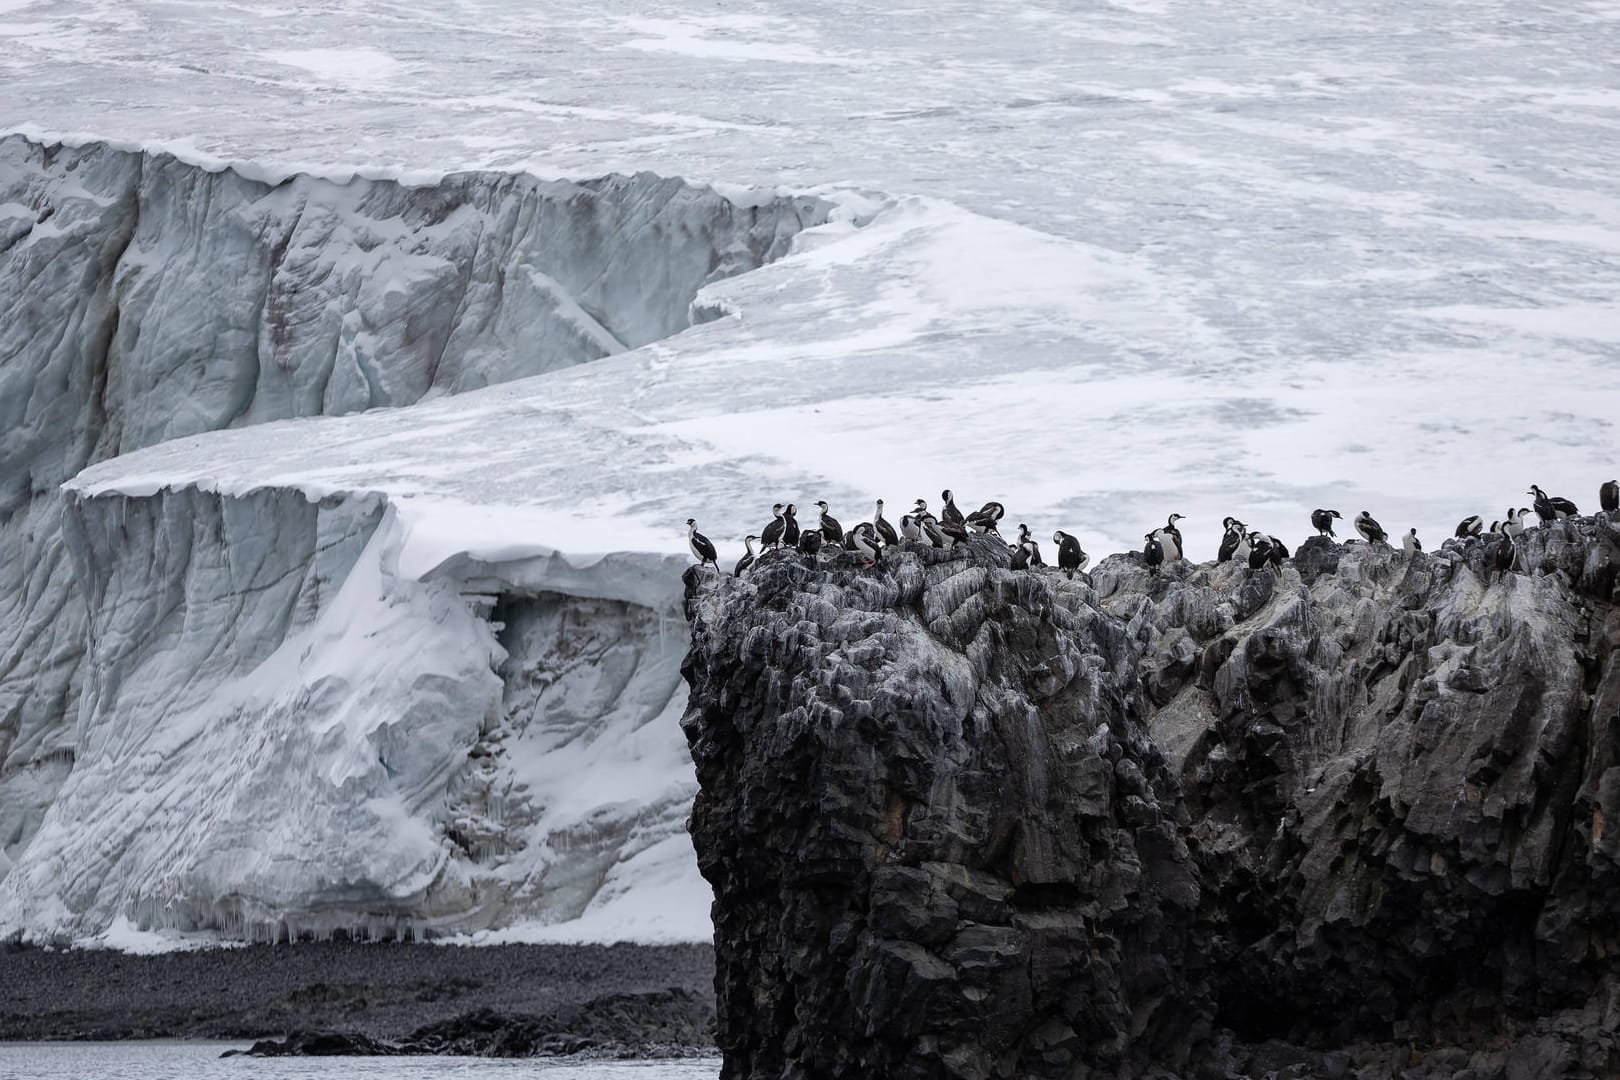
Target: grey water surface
[{"x": 200, "y": 1060}]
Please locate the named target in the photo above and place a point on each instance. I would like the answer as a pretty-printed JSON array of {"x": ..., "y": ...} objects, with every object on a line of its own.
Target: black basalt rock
[{"x": 1351, "y": 818}]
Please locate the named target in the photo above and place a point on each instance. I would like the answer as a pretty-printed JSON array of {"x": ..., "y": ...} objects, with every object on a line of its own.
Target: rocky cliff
[{"x": 1346, "y": 819}]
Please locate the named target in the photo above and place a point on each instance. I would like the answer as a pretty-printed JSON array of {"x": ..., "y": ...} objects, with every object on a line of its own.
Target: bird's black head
[
  {"x": 1175, "y": 518},
  {"x": 691, "y": 523},
  {"x": 822, "y": 504},
  {"x": 776, "y": 509},
  {"x": 791, "y": 510},
  {"x": 946, "y": 495},
  {"x": 1336, "y": 514}
]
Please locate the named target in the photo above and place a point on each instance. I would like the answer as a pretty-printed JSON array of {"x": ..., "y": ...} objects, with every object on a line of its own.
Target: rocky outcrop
[
  {"x": 1346, "y": 819},
  {"x": 658, "y": 1023}
]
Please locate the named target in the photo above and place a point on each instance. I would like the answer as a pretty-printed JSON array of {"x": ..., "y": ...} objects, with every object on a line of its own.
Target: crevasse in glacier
[{"x": 150, "y": 299}]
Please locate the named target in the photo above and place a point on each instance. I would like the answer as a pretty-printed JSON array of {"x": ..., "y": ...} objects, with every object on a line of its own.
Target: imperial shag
[
  {"x": 1070, "y": 556},
  {"x": 811, "y": 541},
  {"x": 1370, "y": 530},
  {"x": 771, "y": 535},
  {"x": 1412, "y": 545},
  {"x": 948, "y": 513},
  {"x": 702, "y": 550},
  {"x": 909, "y": 528},
  {"x": 1231, "y": 540},
  {"x": 1514, "y": 525},
  {"x": 1169, "y": 539},
  {"x": 866, "y": 543},
  {"x": 984, "y": 519},
  {"x": 1472, "y": 525},
  {"x": 831, "y": 530},
  {"x": 1152, "y": 552},
  {"x": 1259, "y": 551},
  {"x": 885, "y": 531},
  {"x": 1609, "y": 496},
  {"x": 1323, "y": 521},
  {"x": 1027, "y": 544},
  {"x": 790, "y": 523},
  {"x": 747, "y": 560},
  {"x": 1499, "y": 556},
  {"x": 1550, "y": 508}
]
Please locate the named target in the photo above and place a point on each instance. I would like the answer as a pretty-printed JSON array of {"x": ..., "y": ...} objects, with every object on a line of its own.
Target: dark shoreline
[{"x": 384, "y": 990}]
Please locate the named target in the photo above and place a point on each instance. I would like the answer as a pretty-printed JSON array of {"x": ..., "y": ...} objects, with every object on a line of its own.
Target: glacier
[
  {"x": 154, "y": 299},
  {"x": 1099, "y": 263}
]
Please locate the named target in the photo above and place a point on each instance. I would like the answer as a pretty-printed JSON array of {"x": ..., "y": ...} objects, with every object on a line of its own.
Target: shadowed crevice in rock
[{"x": 965, "y": 821}]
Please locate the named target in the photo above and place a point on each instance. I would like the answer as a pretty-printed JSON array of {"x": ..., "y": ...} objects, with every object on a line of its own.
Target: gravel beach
[{"x": 382, "y": 990}]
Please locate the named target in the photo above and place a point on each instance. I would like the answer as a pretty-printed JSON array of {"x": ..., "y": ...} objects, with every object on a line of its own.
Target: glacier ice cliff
[
  {"x": 1345, "y": 820},
  {"x": 150, "y": 299}
]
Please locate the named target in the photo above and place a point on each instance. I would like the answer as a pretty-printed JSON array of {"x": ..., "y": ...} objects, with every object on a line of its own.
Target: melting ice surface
[
  {"x": 201, "y": 1061},
  {"x": 1101, "y": 262}
]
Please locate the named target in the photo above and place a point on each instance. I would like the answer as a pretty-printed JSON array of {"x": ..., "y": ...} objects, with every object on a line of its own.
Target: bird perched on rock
[
  {"x": 790, "y": 526},
  {"x": 1242, "y": 547},
  {"x": 1514, "y": 525},
  {"x": 1323, "y": 521},
  {"x": 1609, "y": 496},
  {"x": 948, "y": 513},
  {"x": 1071, "y": 557},
  {"x": 1472, "y": 525},
  {"x": 984, "y": 519},
  {"x": 811, "y": 542},
  {"x": 1231, "y": 539},
  {"x": 748, "y": 559},
  {"x": 885, "y": 531},
  {"x": 702, "y": 550},
  {"x": 1550, "y": 508},
  {"x": 1027, "y": 544},
  {"x": 866, "y": 543},
  {"x": 1169, "y": 538},
  {"x": 1152, "y": 552},
  {"x": 771, "y": 535},
  {"x": 1412, "y": 545},
  {"x": 1499, "y": 555},
  {"x": 909, "y": 528},
  {"x": 1259, "y": 551},
  {"x": 831, "y": 531},
  {"x": 1370, "y": 530}
]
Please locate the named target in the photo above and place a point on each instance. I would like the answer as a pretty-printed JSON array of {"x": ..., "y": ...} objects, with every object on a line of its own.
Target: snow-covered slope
[{"x": 1111, "y": 261}]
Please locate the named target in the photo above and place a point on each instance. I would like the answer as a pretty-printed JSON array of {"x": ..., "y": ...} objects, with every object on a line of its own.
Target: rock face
[
  {"x": 1346, "y": 819},
  {"x": 148, "y": 299}
]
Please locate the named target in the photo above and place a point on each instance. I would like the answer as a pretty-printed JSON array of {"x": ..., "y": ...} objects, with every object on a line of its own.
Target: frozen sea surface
[
  {"x": 201, "y": 1061},
  {"x": 1128, "y": 257}
]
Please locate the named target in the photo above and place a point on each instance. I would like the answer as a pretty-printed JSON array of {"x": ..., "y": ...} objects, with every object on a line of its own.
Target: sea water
[{"x": 163, "y": 1060}]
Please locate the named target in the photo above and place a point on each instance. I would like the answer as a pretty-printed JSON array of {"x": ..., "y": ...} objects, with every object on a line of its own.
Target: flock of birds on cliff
[{"x": 1163, "y": 545}]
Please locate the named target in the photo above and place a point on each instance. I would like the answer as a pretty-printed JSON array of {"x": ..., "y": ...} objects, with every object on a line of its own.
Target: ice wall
[{"x": 148, "y": 299}]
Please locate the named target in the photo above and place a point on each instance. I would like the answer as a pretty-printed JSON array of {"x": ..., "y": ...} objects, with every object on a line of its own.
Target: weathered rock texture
[{"x": 1344, "y": 820}]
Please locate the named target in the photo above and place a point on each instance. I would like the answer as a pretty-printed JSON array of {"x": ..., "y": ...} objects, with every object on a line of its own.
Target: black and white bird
[
  {"x": 885, "y": 531},
  {"x": 748, "y": 559},
  {"x": 934, "y": 534},
  {"x": 1499, "y": 556},
  {"x": 1027, "y": 544},
  {"x": 1550, "y": 508},
  {"x": 702, "y": 550},
  {"x": 790, "y": 523},
  {"x": 831, "y": 531},
  {"x": 909, "y": 528},
  {"x": 1259, "y": 551},
  {"x": 866, "y": 543},
  {"x": 1152, "y": 552},
  {"x": 948, "y": 513},
  {"x": 1169, "y": 539},
  {"x": 1472, "y": 525},
  {"x": 811, "y": 542},
  {"x": 1323, "y": 522},
  {"x": 1514, "y": 525},
  {"x": 1071, "y": 557},
  {"x": 1242, "y": 545},
  {"x": 1609, "y": 496},
  {"x": 1231, "y": 539},
  {"x": 771, "y": 535},
  {"x": 984, "y": 519},
  {"x": 1412, "y": 545},
  {"x": 1370, "y": 530}
]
